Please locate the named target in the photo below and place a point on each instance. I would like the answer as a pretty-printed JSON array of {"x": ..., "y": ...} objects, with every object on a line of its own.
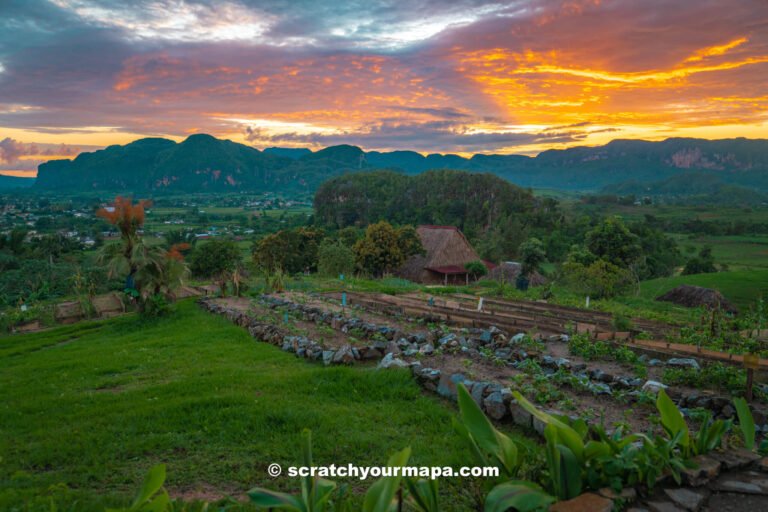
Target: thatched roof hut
[
  {"x": 508, "y": 272},
  {"x": 447, "y": 251},
  {"x": 697, "y": 296}
]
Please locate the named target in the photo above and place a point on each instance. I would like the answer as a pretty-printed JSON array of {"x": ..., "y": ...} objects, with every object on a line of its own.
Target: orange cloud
[{"x": 549, "y": 87}]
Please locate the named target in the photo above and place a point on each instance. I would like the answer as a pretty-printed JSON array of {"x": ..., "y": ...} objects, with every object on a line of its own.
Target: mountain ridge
[{"x": 205, "y": 163}]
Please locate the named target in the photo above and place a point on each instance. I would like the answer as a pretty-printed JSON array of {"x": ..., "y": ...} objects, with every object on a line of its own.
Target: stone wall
[{"x": 394, "y": 348}]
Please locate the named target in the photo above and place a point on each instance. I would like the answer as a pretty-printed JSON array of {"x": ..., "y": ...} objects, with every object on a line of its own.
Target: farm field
[
  {"x": 737, "y": 252},
  {"x": 678, "y": 212},
  {"x": 88, "y": 408},
  {"x": 743, "y": 287}
]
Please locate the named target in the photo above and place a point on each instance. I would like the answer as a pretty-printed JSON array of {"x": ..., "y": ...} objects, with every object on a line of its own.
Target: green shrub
[
  {"x": 155, "y": 306},
  {"x": 335, "y": 258}
]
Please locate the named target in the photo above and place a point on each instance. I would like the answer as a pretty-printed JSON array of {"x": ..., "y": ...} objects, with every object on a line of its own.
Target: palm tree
[{"x": 149, "y": 269}]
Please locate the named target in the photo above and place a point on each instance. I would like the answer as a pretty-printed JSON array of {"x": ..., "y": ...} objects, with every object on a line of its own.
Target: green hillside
[
  {"x": 203, "y": 163},
  {"x": 86, "y": 409}
]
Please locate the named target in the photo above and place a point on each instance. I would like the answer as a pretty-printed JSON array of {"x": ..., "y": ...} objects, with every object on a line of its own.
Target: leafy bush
[
  {"x": 214, "y": 259},
  {"x": 155, "y": 306},
  {"x": 715, "y": 375},
  {"x": 600, "y": 279},
  {"x": 584, "y": 346},
  {"x": 622, "y": 323},
  {"x": 532, "y": 255},
  {"x": 476, "y": 269},
  {"x": 704, "y": 263},
  {"x": 293, "y": 250},
  {"x": 335, "y": 258}
]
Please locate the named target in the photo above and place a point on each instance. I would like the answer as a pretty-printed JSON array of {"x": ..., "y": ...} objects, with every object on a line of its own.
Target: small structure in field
[
  {"x": 447, "y": 252},
  {"x": 508, "y": 271},
  {"x": 68, "y": 312},
  {"x": 107, "y": 305},
  {"x": 697, "y": 296}
]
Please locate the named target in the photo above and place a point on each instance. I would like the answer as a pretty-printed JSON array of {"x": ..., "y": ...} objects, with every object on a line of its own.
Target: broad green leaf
[
  {"x": 381, "y": 494},
  {"x": 595, "y": 449},
  {"x": 710, "y": 435},
  {"x": 517, "y": 495},
  {"x": 746, "y": 422},
  {"x": 672, "y": 419},
  {"x": 322, "y": 492},
  {"x": 423, "y": 495},
  {"x": 482, "y": 431},
  {"x": 152, "y": 483},
  {"x": 570, "y": 472},
  {"x": 463, "y": 433},
  {"x": 307, "y": 482},
  {"x": 272, "y": 499},
  {"x": 160, "y": 503},
  {"x": 567, "y": 435},
  {"x": 552, "y": 456}
]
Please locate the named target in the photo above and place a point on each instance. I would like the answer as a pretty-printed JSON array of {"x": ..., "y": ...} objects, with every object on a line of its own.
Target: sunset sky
[{"x": 432, "y": 76}]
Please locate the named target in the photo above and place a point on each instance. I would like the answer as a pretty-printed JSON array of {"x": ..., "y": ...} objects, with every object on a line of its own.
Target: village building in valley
[{"x": 447, "y": 251}]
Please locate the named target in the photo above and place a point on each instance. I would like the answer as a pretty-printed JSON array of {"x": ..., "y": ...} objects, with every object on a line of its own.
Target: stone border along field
[
  {"x": 722, "y": 481},
  {"x": 546, "y": 318},
  {"x": 488, "y": 361}
]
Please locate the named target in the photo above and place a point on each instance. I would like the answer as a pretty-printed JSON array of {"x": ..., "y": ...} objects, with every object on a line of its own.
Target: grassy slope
[
  {"x": 94, "y": 405},
  {"x": 743, "y": 287},
  {"x": 738, "y": 252}
]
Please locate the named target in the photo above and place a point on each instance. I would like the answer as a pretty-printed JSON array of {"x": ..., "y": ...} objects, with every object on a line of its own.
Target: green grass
[
  {"x": 87, "y": 409},
  {"x": 742, "y": 287},
  {"x": 738, "y": 252}
]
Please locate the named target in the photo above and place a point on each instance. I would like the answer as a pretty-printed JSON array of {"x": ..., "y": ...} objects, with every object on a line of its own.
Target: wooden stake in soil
[{"x": 751, "y": 362}]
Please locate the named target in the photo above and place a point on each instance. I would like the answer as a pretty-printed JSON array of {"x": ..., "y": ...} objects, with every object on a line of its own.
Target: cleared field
[
  {"x": 678, "y": 212},
  {"x": 738, "y": 252},
  {"x": 743, "y": 287},
  {"x": 86, "y": 409}
]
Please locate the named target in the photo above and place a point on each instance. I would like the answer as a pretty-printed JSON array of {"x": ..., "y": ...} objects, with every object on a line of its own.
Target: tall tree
[
  {"x": 383, "y": 249},
  {"x": 612, "y": 241},
  {"x": 150, "y": 270},
  {"x": 219, "y": 260}
]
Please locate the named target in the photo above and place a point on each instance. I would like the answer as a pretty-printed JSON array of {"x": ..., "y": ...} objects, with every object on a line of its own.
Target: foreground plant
[
  {"x": 317, "y": 493},
  {"x": 152, "y": 497},
  {"x": 578, "y": 457},
  {"x": 490, "y": 447}
]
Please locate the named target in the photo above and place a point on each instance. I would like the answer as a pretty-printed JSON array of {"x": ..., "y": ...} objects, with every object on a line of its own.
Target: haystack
[
  {"x": 508, "y": 272},
  {"x": 697, "y": 296}
]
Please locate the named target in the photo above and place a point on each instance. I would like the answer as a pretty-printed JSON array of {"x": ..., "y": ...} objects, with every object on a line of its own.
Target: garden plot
[
  {"x": 294, "y": 326},
  {"x": 332, "y": 304},
  {"x": 600, "y": 380}
]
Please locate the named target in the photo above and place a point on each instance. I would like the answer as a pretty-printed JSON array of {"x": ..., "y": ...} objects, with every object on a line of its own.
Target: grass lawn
[{"x": 88, "y": 408}]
